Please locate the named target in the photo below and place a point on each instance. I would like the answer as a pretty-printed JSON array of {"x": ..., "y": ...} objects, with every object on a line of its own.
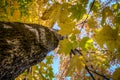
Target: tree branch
[
  {"x": 105, "y": 4},
  {"x": 86, "y": 67},
  {"x": 87, "y": 15},
  {"x": 99, "y": 74},
  {"x": 79, "y": 53}
]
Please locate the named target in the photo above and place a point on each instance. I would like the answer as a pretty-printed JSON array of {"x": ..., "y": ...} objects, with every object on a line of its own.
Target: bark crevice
[{"x": 20, "y": 48}]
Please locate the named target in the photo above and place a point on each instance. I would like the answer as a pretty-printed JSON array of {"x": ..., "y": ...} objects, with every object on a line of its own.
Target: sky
[{"x": 55, "y": 64}]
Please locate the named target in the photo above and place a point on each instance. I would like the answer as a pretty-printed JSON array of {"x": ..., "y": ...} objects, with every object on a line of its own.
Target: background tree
[{"x": 92, "y": 28}]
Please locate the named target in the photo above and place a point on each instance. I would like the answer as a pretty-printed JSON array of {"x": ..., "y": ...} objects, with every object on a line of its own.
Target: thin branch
[
  {"x": 86, "y": 67},
  {"x": 64, "y": 69},
  {"x": 79, "y": 53},
  {"x": 43, "y": 78},
  {"x": 76, "y": 52},
  {"x": 105, "y": 4},
  {"x": 100, "y": 74},
  {"x": 87, "y": 15},
  {"x": 90, "y": 11},
  {"x": 91, "y": 7}
]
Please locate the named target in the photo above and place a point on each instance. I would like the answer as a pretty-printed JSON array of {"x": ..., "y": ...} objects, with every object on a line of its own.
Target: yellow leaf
[
  {"x": 67, "y": 28},
  {"x": 16, "y": 14},
  {"x": 116, "y": 74},
  {"x": 51, "y": 12},
  {"x": 76, "y": 31},
  {"x": 50, "y": 16},
  {"x": 64, "y": 16},
  {"x": 77, "y": 62},
  {"x": 107, "y": 12},
  {"x": 65, "y": 46},
  {"x": 92, "y": 23},
  {"x": 65, "y": 22},
  {"x": 108, "y": 36},
  {"x": 15, "y": 4}
]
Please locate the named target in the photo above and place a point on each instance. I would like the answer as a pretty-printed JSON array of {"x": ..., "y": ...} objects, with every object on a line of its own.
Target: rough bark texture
[{"x": 23, "y": 45}]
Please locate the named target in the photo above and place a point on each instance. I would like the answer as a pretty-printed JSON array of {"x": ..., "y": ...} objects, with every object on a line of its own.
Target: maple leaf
[
  {"x": 76, "y": 63},
  {"x": 92, "y": 23},
  {"x": 67, "y": 28},
  {"x": 108, "y": 36},
  {"x": 77, "y": 11},
  {"x": 65, "y": 46},
  {"x": 51, "y": 15},
  {"x": 107, "y": 12}
]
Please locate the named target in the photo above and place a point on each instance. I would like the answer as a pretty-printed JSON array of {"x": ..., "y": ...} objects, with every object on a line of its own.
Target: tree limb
[
  {"x": 100, "y": 74},
  {"x": 86, "y": 67},
  {"x": 79, "y": 53},
  {"x": 87, "y": 15}
]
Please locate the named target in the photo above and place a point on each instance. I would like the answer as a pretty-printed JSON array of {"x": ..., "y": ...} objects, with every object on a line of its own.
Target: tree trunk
[{"x": 23, "y": 45}]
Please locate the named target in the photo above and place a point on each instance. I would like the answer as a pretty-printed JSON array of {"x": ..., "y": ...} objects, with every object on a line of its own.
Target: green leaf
[
  {"x": 51, "y": 12},
  {"x": 51, "y": 15},
  {"x": 49, "y": 60},
  {"x": 74, "y": 42},
  {"x": 83, "y": 42},
  {"x": 76, "y": 31},
  {"x": 96, "y": 6},
  {"x": 65, "y": 46},
  {"x": 89, "y": 44},
  {"x": 77, "y": 62},
  {"x": 108, "y": 36},
  {"x": 117, "y": 18},
  {"x": 92, "y": 23},
  {"x": 107, "y": 12},
  {"x": 65, "y": 22},
  {"x": 72, "y": 37},
  {"x": 66, "y": 28},
  {"x": 64, "y": 14},
  {"x": 116, "y": 7},
  {"x": 77, "y": 11}
]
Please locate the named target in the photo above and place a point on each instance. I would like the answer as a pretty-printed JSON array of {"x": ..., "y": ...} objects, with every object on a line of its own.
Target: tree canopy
[{"x": 92, "y": 36}]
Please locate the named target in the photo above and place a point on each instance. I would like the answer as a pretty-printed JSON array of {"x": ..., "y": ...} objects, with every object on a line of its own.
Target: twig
[
  {"x": 87, "y": 15},
  {"x": 100, "y": 74},
  {"x": 91, "y": 7},
  {"x": 86, "y": 67},
  {"x": 105, "y": 4},
  {"x": 77, "y": 51},
  {"x": 64, "y": 69}
]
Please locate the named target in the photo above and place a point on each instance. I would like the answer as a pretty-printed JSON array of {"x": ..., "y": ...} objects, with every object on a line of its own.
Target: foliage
[
  {"x": 116, "y": 74},
  {"x": 92, "y": 29},
  {"x": 41, "y": 71}
]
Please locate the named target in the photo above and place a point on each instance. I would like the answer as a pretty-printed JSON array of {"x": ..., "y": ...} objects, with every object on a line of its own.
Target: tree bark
[{"x": 23, "y": 45}]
